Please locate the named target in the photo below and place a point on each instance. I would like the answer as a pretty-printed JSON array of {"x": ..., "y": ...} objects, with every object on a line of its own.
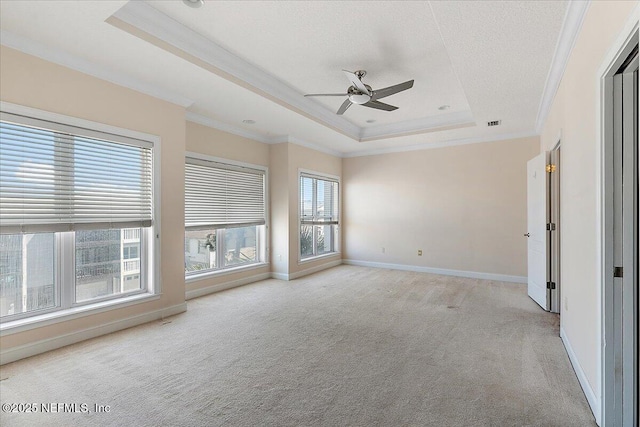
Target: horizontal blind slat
[
  {"x": 57, "y": 179},
  {"x": 219, "y": 195}
]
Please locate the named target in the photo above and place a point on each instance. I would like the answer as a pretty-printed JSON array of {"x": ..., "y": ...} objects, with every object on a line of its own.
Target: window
[
  {"x": 318, "y": 215},
  {"x": 27, "y": 273},
  {"x": 75, "y": 216},
  {"x": 130, "y": 251},
  {"x": 224, "y": 215}
]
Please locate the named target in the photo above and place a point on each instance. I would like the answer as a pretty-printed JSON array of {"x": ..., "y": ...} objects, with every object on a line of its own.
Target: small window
[
  {"x": 130, "y": 251},
  {"x": 318, "y": 215}
]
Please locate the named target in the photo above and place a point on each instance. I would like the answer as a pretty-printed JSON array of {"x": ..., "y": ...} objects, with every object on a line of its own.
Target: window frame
[
  {"x": 262, "y": 232},
  {"x": 337, "y": 248},
  {"x": 64, "y": 254},
  {"x": 68, "y": 241}
]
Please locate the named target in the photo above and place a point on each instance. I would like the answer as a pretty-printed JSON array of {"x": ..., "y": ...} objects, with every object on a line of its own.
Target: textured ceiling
[
  {"x": 307, "y": 44},
  {"x": 487, "y": 60}
]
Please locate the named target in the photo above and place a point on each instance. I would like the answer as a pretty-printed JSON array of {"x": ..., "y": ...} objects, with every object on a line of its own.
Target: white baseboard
[
  {"x": 195, "y": 293},
  {"x": 594, "y": 402},
  {"x": 306, "y": 272},
  {"x": 245, "y": 281},
  {"x": 315, "y": 269},
  {"x": 443, "y": 271},
  {"x": 42, "y": 346},
  {"x": 280, "y": 276}
]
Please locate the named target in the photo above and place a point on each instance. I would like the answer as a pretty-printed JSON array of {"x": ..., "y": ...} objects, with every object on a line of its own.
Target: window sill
[
  {"x": 218, "y": 273},
  {"x": 317, "y": 258},
  {"x": 51, "y": 318}
]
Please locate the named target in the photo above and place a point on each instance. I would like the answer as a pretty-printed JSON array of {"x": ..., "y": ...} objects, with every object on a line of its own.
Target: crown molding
[
  {"x": 427, "y": 124},
  {"x": 142, "y": 20},
  {"x": 73, "y": 62},
  {"x": 442, "y": 144},
  {"x": 225, "y": 127},
  {"x": 279, "y": 139},
  {"x": 303, "y": 143},
  {"x": 573, "y": 18}
]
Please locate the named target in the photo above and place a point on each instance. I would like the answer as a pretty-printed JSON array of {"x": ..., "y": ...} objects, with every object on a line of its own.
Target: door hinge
[
  {"x": 551, "y": 285},
  {"x": 618, "y": 272},
  {"x": 550, "y": 168},
  {"x": 551, "y": 226}
]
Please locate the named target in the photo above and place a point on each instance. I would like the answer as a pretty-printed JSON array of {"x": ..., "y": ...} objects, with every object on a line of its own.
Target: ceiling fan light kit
[
  {"x": 358, "y": 98},
  {"x": 362, "y": 94},
  {"x": 193, "y": 3}
]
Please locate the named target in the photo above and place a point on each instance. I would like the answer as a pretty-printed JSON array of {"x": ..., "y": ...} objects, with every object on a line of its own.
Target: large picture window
[
  {"x": 318, "y": 215},
  {"x": 76, "y": 209},
  {"x": 225, "y": 215}
]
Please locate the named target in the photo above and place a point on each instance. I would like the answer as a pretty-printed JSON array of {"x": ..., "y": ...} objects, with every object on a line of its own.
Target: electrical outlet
[
  {"x": 419, "y": 252},
  {"x": 383, "y": 250},
  {"x": 279, "y": 257}
]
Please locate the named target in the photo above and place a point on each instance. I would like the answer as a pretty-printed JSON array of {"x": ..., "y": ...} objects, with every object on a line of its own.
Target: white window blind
[
  {"x": 318, "y": 200},
  {"x": 55, "y": 177},
  {"x": 218, "y": 195}
]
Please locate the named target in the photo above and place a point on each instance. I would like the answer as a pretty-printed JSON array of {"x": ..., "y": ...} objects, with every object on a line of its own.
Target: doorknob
[{"x": 527, "y": 235}]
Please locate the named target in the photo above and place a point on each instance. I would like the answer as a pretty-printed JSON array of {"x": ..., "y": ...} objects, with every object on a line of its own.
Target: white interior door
[{"x": 537, "y": 244}]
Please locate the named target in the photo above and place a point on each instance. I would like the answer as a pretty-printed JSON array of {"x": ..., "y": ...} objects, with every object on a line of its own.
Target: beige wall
[
  {"x": 279, "y": 194},
  {"x": 574, "y": 114},
  {"x": 463, "y": 206},
  {"x": 217, "y": 143},
  {"x": 286, "y": 161},
  {"x": 32, "y": 82},
  {"x": 213, "y": 142}
]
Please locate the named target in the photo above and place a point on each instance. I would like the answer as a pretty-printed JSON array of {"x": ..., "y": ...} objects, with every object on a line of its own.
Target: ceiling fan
[{"x": 362, "y": 94}]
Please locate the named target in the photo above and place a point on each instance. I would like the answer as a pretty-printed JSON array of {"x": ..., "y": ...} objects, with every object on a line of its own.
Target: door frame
[
  {"x": 555, "y": 180},
  {"x": 619, "y": 52}
]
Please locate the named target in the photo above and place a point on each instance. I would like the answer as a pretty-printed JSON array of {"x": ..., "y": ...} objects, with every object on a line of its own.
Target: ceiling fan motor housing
[{"x": 361, "y": 94}]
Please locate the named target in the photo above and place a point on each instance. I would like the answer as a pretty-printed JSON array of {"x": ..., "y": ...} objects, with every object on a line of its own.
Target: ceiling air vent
[{"x": 494, "y": 123}]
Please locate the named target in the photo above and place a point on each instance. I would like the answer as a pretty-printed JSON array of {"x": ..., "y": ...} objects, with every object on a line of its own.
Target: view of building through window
[
  {"x": 107, "y": 262},
  {"x": 27, "y": 273},
  {"x": 227, "y": 247},
  {"x": 200, "y": 250}
]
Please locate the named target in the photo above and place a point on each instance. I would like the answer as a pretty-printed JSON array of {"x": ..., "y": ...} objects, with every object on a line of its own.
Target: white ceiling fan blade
[
  {"x": 327, "y": 94},
  {"x": 380, "y": 106},
  {"x": 356, "y": 82},
  {"x": 346, "y": 104},
  {"x": 381, "y": 93}
]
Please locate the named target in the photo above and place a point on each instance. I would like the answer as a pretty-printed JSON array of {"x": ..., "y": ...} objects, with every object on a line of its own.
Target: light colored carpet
[{"x": 347, "y": 346}]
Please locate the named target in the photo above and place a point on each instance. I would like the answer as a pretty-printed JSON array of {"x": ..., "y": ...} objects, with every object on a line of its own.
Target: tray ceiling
[{"x": 231, "y": 61}]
